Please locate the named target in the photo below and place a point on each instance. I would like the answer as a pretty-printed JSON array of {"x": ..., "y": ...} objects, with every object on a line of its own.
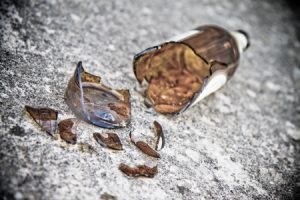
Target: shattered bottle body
[
  {"x": 189, "y": 67},
  {"x": 215, "y": 44}
]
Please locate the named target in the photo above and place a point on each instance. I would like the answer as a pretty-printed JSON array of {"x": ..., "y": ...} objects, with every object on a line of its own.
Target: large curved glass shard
[
  {"x": 96, "y": 103},
  {"x": 45, "y": 118}
]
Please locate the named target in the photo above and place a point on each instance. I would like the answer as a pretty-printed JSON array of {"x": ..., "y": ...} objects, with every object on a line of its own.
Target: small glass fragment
[
  {"x": 85, "y": 147},
  {"x": 65, "y": 131},
  {"x": 106, "y": 196},
  {"x": 189, "y": 67},
  {"x": 46, "y": 118},
  {"x": 145, "y": 148},
  {"x": 140, "y": 170},
  {"x": 96, "y": 103},
  {"x": 110, "y": 140},
  {"x": 160, "y": 141}
]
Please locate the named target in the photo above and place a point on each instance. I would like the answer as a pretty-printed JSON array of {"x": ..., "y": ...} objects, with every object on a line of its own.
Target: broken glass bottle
[
  {"x": 189, "y": 67},
  {"x": 96, "y": 103}
]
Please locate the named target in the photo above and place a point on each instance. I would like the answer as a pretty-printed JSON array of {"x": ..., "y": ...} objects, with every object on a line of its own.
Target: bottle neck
[{"x": 241, "y": 39}]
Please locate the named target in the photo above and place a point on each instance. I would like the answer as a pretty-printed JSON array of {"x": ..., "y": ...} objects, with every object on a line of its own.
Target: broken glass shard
[
  {"x": 110, "y": 140},
  {"x": 45, "y": 118},
  {"x": 145, "y": 148},
  {"x": 65, "y": 128},
  {"x": 140, "y": 170},
  {"x": 96, "y": 103},
  {"x": 160, "y": 137}
]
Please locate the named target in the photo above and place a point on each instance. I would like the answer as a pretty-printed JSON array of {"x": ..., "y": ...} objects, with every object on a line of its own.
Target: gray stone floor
[{"x": 240, "y": 143}]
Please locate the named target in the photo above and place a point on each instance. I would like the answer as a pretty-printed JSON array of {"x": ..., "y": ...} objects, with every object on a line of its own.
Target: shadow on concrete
[{"x": 294, "y": 5}]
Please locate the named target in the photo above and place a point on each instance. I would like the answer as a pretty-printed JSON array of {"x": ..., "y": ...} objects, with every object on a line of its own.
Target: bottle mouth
[{"x": 247, "y": 37}]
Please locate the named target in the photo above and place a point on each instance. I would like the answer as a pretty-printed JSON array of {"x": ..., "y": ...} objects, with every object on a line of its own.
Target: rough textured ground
[{"x": 240, "y": 143}]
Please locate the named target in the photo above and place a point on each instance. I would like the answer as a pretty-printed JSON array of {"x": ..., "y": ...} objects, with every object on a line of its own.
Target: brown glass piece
[
  {"x": 110, "y": 140},
  {"x": 106, "y": 196},
  {"x": 160, "y": 138},
  {"x": 215, "y": 44},
  {"x": 177, "y": 71},
  {"x": 85, "y": 147},
  {"x": 46, "y": 118},
  {"x": 145, "y": 148},
  {"x": 96, "y": 103},
  {"x": 140, "y": 170},
  {"x": 65, "y": 131}
]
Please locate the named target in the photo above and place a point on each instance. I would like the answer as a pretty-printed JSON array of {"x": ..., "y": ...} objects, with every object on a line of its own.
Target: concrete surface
[{"x": 240, "y": 143}]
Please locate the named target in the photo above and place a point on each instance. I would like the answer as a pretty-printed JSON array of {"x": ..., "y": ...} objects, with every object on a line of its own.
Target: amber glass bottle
[{"x": 189, "y": 67}]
